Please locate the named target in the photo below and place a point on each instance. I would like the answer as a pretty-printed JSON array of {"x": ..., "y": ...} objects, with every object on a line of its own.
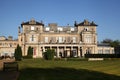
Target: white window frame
[
  {"x": 32, "y": 38},
  {"x": 46, "y": 39},
  {"x": 86, "y": 28},
  {"x": 74, "y": 39},
  {"x": 72, "y": 29},
  {"x": 60, "y": 39},
  {"x": 32, "y": 28},
  {"x": 63, "y": 39},
  {"x": 60, "y": 29},
  {"x": 47, "y": 29}
]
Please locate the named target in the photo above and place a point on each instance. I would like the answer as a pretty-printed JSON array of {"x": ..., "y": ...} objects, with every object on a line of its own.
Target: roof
[
  {"x": 2, "y": 38},
  {"x": 103, "y": 45},
  {"x": 32, "y": 22},
  {"x": 86, "y": 23}
]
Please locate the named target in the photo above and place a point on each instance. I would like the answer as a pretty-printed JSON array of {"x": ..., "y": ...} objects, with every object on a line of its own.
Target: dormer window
[
  {"x": 32, "y": 28},
  {"x": 86, "y": 28},
  {"x": 47, "y": 29},
  {"x": 60, "y": 29},
  {"x": 72, "y": 29}
]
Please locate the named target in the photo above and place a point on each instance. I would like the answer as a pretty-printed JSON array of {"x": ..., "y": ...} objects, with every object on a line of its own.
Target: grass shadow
[{"x": 59, "y": 73}]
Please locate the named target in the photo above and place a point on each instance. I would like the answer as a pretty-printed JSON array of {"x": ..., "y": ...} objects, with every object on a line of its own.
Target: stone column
[
  {"x": 79, "y": 51},
  {"x": 71, "y": 52},
  {"x": 40, "y": 52},
  {"x": 43, "y": 49},
  {"x": 23, "y": 50},
  {"x": 65, "y": 52},
  {"x": 71, "y": 48},
  {"x": 58, "y": 52}
]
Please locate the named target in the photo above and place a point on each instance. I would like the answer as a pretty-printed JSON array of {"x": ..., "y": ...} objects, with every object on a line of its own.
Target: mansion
[{"x": 67, "y": 41}]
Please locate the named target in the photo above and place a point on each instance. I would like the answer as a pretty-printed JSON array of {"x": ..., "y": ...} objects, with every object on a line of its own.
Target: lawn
[{"x": 38, "y": 69}]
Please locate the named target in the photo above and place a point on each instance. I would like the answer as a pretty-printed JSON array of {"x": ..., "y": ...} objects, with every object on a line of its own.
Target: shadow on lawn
[{"x": 63, "y": 74}]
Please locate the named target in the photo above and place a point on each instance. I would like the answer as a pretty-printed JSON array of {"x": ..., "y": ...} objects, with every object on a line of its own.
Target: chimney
[{"x": 10, "y": 38}]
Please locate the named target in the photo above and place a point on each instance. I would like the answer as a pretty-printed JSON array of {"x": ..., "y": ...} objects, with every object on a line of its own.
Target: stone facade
[
  {"x": 7, "y": 46},
  {"x": 105, "y": 49},
  {"x": 68, "y": 41}
]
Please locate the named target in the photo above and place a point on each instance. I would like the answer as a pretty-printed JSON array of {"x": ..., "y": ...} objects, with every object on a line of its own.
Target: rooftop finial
[
  {"x": 18, "y": 29},
  {"x": 32, "y": 19},
  {"x": 86, "y": 22},
  {"x": 75, "y": 24}
]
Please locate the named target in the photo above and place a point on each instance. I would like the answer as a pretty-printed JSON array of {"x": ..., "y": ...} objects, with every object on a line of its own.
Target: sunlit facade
[
  {"x": 67, "y": 41},
  {"x": 7, "y": 46}
]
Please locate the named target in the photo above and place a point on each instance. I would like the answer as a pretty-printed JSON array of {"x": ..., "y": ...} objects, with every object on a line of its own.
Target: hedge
[{"x": 102, "y": 55}]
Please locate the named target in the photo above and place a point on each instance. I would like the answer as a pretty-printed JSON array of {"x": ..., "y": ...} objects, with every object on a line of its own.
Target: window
[
  {"x": 32, "y": 38},
  {"x": 64, "y": 39},
  {"x": 60, "y": 29},
  {"x": 112, "y": 51},
  {"x": 100, "y": 51},
  {"x": 88, "y": 51},
  {"x": 53, "y": 39},
  {"x": 47, "y": 29},
  {"x": 10, "y": 45},
  {"x": 107, "y": 51},
  {"x": 86, "y": 28},
  {"x": 72, "y": 29},
  {"x": 74, "y": 39},
  {"x": 68, "y": 39},
  {"x": 46, "y": 39},
  {"x": 60, "y": 39},
  {"x": 32, "y": 28},
  {"x": 88, "y": 39}
]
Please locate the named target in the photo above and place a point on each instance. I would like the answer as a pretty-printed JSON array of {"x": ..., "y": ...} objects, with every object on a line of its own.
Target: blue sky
[{"x": 105, "y": 13}]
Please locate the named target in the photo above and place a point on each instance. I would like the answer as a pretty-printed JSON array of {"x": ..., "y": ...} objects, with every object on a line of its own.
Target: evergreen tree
[
  {"x": 18, "y": 53},
  {"x": 30, "y": 52}
]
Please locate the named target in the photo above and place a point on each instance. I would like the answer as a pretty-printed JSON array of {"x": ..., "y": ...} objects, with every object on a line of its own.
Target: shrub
[
  {"x": 49, "y": 54},
  {"x": 18, "y": 53},
  {"x": 102, "y": 55}
]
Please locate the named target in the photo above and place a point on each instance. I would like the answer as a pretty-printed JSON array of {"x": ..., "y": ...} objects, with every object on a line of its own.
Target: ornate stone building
[
  {"x": 68, "y": 41},
  {"x": 7, "y": 46}
]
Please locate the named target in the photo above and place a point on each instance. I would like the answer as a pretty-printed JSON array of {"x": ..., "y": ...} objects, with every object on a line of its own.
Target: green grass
[{"x": 38, "y": 69}]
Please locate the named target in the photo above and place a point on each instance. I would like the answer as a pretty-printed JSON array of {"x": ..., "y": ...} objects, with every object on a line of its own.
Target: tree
[
  {"x": 115, "y": 43},
  {"x": 107, "y": 41},
  {"x": 18, "y": 53},
  {"x": 49, "y": 54},
  {"x": 30, "y": 52},
  {"x": 112, "y": 43}
]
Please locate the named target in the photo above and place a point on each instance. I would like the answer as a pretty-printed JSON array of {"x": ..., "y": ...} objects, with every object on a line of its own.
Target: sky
[{"x": 105, "y": 13}]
